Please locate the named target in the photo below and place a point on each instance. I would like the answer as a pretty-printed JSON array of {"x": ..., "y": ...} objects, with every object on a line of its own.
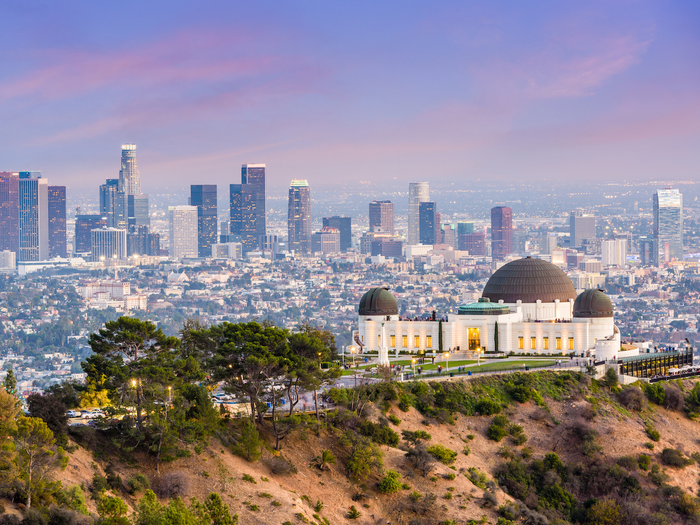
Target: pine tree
[{"x": 10, "y": 382}]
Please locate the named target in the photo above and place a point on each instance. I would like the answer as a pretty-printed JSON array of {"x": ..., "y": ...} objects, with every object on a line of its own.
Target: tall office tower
[
  {"x": 142, "y": 242},
  {"x": 614, "y": 252},
  {"x": 474, "y": 243},
  {"x": 112, "y": 204},
  {"x": 243, "y": 223},
  {"x": 108, "y": 244},
  {"x": 9, "y": 212},
  {"x": 203, "y": 196},
  {"x": 33, "y": 219},
  {"x": 381, "y": 217},
  {"x": 137, "y": 210},
  {"x": 326, "y": 241},
  {"x": 427, "y": 232},
  {"x": 668, "y": 226},
  {"x": 57, "y": 221},
  {"x": 129, "y": 177},
  {"x": 646, "y": 251},
  {"x": 84, "y": 224},
  {"x": 254, "y": 176},
  {"x": 344, "y": 226},
  {"x": 581, "y": 227},
  {"x": 183, "y": 232},
  {"x": 501, "y": 232},
  {"x": 299, "y": 217},
  {"x": 417, "y": 192},
  {"x": 448, "y": 235},
  {"x": 465, "y": 228}
]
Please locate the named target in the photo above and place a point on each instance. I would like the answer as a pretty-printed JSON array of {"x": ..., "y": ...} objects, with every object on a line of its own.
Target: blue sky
[{"x": 354, "y": 91}]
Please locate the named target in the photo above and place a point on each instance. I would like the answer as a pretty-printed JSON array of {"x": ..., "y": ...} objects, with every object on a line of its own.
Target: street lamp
[
  {"x": 446, "y": 355},
  {"x": 319, "y": 361},
  {"x": 352, "y": 351},
  {"x": 413, "y": 364}
]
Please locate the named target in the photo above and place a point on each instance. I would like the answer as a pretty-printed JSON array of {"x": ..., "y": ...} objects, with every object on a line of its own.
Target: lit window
[
  {"x": 405, "y": 341},
  {"x": 429, "y": 341},
  {"x": 533, "y": 343},
  {"x": 521, "y": 343},
  {"x": 393, "y": 341},
  {"x": 416, "y": 341},
  {"x": 379, "y": 341},
  {"x": 571, "y": 343},
  {"x": 546, "y": 343},
  {"x": 558, "y": 343}
]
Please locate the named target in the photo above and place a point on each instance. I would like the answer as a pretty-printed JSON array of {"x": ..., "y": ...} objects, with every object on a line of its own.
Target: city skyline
[{"x": 528, "y": 92}]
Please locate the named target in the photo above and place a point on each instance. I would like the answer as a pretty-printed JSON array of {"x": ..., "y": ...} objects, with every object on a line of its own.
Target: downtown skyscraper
[
  {"x": 33, "y": 203},
  {"x": 299, "y": 217},
  {"x": 668, "y": 226},
  {"x": 381, "y": 217},
  {"x": 203, "y": 196},
  {"x": 57, "y": 222},
  {"x": 417, "y": 192},
  {"x": 247, "y": 212},
  {"x": 428, "y": 223},
  {"x": 501, "y": 232}
]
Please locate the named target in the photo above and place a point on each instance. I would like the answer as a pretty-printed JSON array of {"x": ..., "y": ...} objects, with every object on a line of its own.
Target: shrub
[
  {"x": 421, "y": 459},
  {"x": 498, "y": 429},
  {"x": 172, "y": 484},
  {"x": 644, "y": 461},
  {"x": 479, "y": 479},
  {"x": 249, "y": 478},
  {"x": 281, "y": 465},
  {"x": 138, "y": 483},
  {"x": 655, "y": 393},
  {"x": 443, "y": 454},
  {"x": 653, "y": 433},
  {"x": 395, "y": 420},
  {"x": 628, "y": 462},
  {"x": 249, "y": 444},
  {"x": 633, "y": 399},
  {"x": 391, "y": 483},
  {"x": 414, "y": 437},
  {"x": 490, "y": 499},
  {"x": 487, "y": 407},
  {"x": 380, "y": 434},
  {"x": 610, "y": 379},
  {"x": 657, "y": 476},
  {"x": 674, "y": 458},
  {"x": 520, "y": 393},
  {"x": 673, "y": 398},
  {"x": 325, "y": 460},
  {"x": 404, "y": 402},
  {"x": 353, "y": 513},
  {"x": 450, "y": 476}
]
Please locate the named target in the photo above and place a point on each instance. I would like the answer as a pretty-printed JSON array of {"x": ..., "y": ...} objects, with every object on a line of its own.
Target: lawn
[{"x": 512, "y": 365}]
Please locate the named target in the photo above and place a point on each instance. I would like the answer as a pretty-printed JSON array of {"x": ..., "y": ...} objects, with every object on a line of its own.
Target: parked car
[
  {"x": 93, "y": 414},
  {"x": 74, "y": 413}
]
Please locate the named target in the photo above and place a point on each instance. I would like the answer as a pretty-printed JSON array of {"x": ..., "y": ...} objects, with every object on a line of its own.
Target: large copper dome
[
  {"x": 378, "y": 301},
  {"x": 528, "y": 280},
  {"x": 593, "y": 303}
]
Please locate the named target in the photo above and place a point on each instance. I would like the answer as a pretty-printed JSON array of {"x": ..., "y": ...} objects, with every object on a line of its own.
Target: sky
[{"x": 343, "y": 92}]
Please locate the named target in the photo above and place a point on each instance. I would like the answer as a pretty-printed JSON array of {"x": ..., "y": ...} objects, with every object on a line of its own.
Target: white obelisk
[{"x": 383, "y": 350}]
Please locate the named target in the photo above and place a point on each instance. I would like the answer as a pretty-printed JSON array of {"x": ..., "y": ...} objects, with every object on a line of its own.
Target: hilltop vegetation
[{"x": 531, "y": 448}]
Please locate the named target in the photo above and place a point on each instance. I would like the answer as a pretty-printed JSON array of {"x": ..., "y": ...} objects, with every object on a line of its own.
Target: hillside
[{"x": 598, "y": 441}]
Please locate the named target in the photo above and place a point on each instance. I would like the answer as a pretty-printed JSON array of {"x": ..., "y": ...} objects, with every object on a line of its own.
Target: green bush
[
  {"x": 644, "y": 461},
  {"x": 414, "y": 437},
  {"x": 380, "y": 434},
  {"x": 138, "y": 483},
  {"x": 520, "y": 393},
  {"x": 487, "y": 407},
  {"x": 674, "y": 458},
  {"x": 477, "y": 478},
  {"x": 653, "y": 433},
  {"x": 655, "y": 393},
  {"x": 498, "y": 429},
  {"x": 405, "y": 402},
  {"x": 443, "y": 454},
  {"x": 391, "y": 483},
  {"x": 395, "y": 420}
]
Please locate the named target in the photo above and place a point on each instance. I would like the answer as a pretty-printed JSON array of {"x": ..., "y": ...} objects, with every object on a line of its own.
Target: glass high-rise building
[
  {"x": 137, "y": 210},
  {"x": 247, "y": 216},
  {"x": 581, "y": 227},
  {"x": 344, "y": 226},
  {"x": 501, "y": 232},
  {"x": 108, "y": 243},
  {"x": 57, "y": 221},
  {"x": 183, "y": 232},
  {"x": 203, "y": 196},
  {"x": 33, "y": 218},
  {"x": 427, "y": 218},
  {"x": 84, "y": 224},
  {"x": 381, "y": 217},
  {"x": 9, "y": 212},
  {"x": 417, "y": 192},
  {"x": 129, "y": 177},
  {"x": 110, "y": 207},
  {"x": 299, "y": 217},
  {"x": 668, "y": 226}
]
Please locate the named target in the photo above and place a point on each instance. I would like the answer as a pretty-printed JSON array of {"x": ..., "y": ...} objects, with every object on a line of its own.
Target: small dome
[
  {"x": 592, "y": 304},
  {"x": 528, "y": 280},
  {"x": 378, "y": 301},
  {"x": 483, "y": 307}
]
